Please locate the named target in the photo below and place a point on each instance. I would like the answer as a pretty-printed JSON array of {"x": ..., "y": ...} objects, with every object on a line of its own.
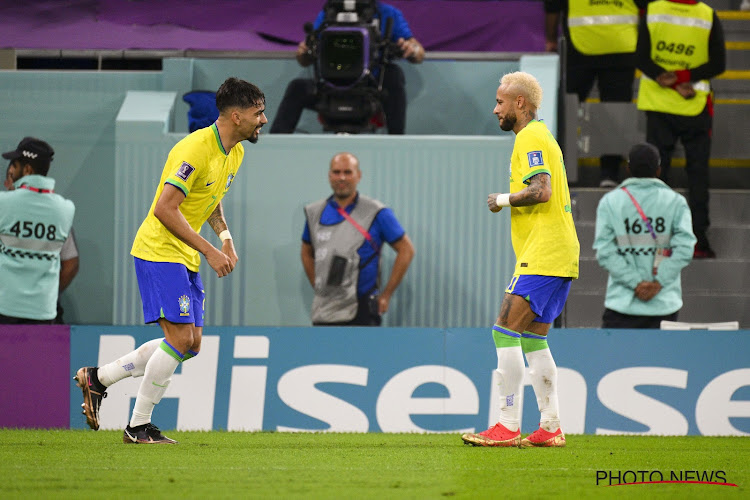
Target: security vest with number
[
  {"x": 625, "y": 247},
  {"x": 34, "y": 223},
  {"x": 679, "y": 40},
  {"x": 602, "y": 26}
]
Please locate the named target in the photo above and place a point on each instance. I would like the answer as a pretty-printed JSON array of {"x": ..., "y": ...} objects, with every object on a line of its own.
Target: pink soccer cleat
[
  {"x": 497, "y": 435},
  {"x": 544, "y": 439}
]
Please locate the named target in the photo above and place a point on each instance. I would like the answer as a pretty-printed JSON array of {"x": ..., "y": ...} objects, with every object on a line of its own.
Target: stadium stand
[
  {"x": 714, "y": 290},
  {"x": 138, "y": 36}
]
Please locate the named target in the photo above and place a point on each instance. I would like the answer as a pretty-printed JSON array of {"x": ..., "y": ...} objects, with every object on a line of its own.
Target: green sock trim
[
  {"x": 188, "y": 355},
  {"x": 169, "y": 350},
  {"x": 531, "y": 345},
  {"x": 505, "y": 337}
]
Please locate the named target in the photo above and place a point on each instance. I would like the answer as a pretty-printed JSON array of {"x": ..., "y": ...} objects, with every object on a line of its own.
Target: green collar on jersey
[{"x": 218, "y": 138}]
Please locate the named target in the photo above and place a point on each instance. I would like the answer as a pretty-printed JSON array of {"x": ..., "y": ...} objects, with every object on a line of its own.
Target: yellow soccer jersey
[
  {"x": 544, "y": 237},
  {"x": 200, "y": 168}
]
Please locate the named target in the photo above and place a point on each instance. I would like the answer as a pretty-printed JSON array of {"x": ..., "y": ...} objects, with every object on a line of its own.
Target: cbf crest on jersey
[
  {"x": 535, "y": 158},
  {"x": 184, "y": 302},
  {"x": 230, "y": 179},
  {"x": 185, "y": 171}
]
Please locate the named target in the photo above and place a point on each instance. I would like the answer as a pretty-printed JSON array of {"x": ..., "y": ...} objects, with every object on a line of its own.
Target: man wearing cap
[
  {"x": 69, "y": 261},
  {"x": 34, "y": 224},
  {"x": 643, "y": 238}
]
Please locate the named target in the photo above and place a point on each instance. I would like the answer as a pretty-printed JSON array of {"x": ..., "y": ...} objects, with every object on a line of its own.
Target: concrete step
[
  {"x": 723, "y": 4},
  {"x": 731, "y": 86},
  {"x": 613, "y": 128},
  {"x": 735, "y": 24},
  {"x": 728, "y": 241},
  {"x": 700, "y": 277},
  {"x": 738, "y": 59},
  {"x": 713, "y": 308},
  {"x": 584, "y": 308},
  {"x": 727, "y": 207}
]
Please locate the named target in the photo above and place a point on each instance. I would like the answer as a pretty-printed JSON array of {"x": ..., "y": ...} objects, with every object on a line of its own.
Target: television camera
[{"x": 350, "y": 58}]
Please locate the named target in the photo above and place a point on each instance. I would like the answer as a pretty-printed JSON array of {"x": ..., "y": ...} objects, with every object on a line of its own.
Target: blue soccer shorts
[
  {"x": 170, "y": 291},
  {"x": 545, "y": 294}
]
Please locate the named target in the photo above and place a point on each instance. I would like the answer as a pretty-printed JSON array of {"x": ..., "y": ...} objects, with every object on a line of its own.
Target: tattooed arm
[
  {"x": 538, "y": 191},
  {"x": 218, "y": 224},
  {"x": 216, "y": 220}
]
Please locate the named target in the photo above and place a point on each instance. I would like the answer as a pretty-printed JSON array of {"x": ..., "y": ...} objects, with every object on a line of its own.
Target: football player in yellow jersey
[
  {"x": 198, "y": 173},
  {"x": 547, "y": 250}
]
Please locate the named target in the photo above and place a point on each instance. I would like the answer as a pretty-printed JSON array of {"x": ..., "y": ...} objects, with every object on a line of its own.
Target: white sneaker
[
  {"x": 609, "y": 183},
  {"x": 745, "y": 5}
]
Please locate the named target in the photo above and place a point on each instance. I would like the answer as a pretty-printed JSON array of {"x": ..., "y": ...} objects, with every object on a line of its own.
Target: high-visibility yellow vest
[
  {"x": 679, "y": 40},
  {"x": 603, "y": 26}
]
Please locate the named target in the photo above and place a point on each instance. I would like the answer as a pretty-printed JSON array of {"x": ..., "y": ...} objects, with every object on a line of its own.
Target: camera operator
[{"x": 302, "y": 93}]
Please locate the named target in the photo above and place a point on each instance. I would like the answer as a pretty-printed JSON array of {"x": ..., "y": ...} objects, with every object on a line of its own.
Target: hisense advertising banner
[{"x": 429, "y": 380}]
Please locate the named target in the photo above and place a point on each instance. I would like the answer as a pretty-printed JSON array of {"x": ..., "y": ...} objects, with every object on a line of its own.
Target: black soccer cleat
[
  {"x": 145, "y": 434},
  {"x": 93, "y": 394}
]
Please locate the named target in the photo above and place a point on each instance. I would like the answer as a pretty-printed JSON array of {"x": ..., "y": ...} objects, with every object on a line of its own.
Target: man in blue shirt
[
  {"x": 301, "y": 93},
  {"x": 341, "y": 246}
]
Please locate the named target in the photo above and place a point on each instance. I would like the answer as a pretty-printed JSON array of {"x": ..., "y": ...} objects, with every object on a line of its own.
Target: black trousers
[
  {"x": 663, "y": 130},
  {"x": 300, "y": 95},
  {"x": 614, "y": 319},
  {"x": 615, "y": 85},
  {"x": 11, "y": 320}
]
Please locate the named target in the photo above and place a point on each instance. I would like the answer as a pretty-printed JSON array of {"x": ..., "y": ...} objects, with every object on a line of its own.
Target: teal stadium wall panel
[
  {"x": 75, "y": 112},
  {"x": 437, "y": 187}
]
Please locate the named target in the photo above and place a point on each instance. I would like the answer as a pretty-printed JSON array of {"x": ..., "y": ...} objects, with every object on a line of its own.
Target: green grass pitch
[{"x": 86, "y": 464}]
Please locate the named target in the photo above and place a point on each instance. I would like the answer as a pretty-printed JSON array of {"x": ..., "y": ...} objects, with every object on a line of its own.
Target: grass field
[{"x": 86, "y": 464}]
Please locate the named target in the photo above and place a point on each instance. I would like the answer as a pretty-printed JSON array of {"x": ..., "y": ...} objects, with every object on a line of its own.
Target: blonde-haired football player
[{"x": 547, "y": 249}]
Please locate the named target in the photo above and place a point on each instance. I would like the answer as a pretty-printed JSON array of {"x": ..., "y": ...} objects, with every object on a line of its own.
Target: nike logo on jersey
[{"x": 209, "y": 183}]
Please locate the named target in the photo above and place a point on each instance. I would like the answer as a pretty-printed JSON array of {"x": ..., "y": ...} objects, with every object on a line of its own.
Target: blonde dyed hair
[{"x": 520, "y": 83}]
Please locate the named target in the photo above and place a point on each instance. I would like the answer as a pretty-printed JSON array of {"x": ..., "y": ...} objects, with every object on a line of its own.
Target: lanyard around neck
[
  {"x": 36, "y": 190},
  {"x": 359, "y": 228},
  {"x": 641, "y": 213}
]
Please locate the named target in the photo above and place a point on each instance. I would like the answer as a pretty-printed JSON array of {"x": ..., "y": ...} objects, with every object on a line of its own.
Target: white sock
[
  {"x": 159, "y": 370},
  {"x": 510, "y": 368},
  {"x": 543, "y": 372},
  {"x": 133, "y": 364}
]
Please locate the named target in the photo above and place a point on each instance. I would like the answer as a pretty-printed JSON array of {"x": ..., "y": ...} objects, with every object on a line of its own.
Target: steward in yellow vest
[
  {"x": 680, "y": 48},
  {"x": 601, "y": 38},
  {"x": 678, "y": 40}
]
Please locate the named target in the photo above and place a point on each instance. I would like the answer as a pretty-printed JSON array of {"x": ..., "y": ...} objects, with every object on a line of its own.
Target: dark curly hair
[{"x": 237, "y": 93}]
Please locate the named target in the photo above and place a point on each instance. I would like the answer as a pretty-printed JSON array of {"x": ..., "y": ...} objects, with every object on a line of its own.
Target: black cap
[
  {"x": 644, "y": 160},
  {"x": 31, "y": 148}
]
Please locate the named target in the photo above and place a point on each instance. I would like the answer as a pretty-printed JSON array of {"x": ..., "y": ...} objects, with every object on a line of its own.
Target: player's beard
[
  {"x": 254, "y": 137},
  {"x": 509, "y": 121}
]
